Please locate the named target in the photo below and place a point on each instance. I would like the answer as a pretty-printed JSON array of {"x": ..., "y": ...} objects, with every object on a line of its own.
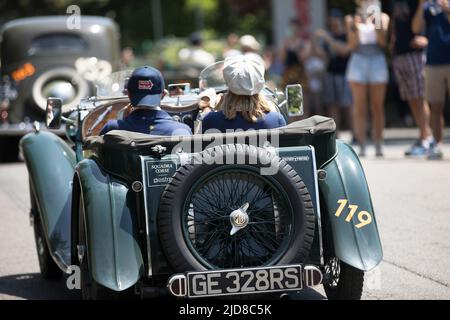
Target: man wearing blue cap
[{"x": 145, "y": 90}]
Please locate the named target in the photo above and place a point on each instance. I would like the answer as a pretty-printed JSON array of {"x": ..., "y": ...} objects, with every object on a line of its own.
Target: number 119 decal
[{"x": 364, "y": 217}]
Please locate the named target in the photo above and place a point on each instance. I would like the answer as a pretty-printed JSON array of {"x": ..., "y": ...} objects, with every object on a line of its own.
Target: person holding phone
[
  {"x": 434, "y": 18},
  {"x": 367, "y": 71}
]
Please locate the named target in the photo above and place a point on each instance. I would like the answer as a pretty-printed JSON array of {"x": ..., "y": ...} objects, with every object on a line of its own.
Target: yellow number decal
[
  {"x": 352, "y": 212},
  {"x": 342, "y": 203},
  {"x": 364, "y": 218}
]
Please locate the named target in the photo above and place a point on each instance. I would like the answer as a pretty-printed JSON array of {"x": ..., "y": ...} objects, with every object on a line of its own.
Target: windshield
[
  {"x": 212, "y": 77},
  {"x": 113, "y": 86}
]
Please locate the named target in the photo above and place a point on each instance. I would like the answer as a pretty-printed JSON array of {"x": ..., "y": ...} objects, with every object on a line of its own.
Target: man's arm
[
  {"x": 109, "y": 126},
  {"x": 418, "y": 23}
]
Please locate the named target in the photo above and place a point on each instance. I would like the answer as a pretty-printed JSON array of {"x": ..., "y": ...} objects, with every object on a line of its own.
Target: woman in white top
[{"x": 367, "y": 71}]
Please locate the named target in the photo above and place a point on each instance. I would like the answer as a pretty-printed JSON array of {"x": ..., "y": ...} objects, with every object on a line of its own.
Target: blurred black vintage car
[{"x": 44, "y": 57}]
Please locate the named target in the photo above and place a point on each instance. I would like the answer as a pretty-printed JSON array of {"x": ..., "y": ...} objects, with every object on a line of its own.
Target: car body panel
[
  {"x": 51, "y": 165},
  {"x": 346, "y": 185},
  {"x": 114, "y": 255}
]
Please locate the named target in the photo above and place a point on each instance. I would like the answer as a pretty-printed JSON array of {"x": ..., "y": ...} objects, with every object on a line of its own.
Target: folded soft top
[{"x": 316, "y": 125}]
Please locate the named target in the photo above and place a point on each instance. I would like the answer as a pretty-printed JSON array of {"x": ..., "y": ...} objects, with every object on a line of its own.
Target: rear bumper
[{"x": 179, "y": 285}]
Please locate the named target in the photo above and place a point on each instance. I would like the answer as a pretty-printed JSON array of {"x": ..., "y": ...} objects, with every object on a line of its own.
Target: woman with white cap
[{"x": 243, "y": 107}]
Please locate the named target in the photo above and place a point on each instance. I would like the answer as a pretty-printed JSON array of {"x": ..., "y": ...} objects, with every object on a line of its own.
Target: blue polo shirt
[
  {"x": 154, "y": 122},
  {"x": 217, "y": 121},
  {"x": 438, "y": 33}
]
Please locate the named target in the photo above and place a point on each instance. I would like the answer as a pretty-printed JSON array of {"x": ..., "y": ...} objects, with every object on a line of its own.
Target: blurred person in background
[
  {"x": 315, "y": 68},
  {"x": 434, "y": 18},
  {"x": 232, "y": 46},
  {"x": 409, "y": 62},
  {"x": 337, "y": 94},
  {"x": 195, "y": 56},
  {"x": 367, "y": 70},
  {"x": 293, "y": 54},
  {"x": 250, "y": 47},
  {"x": 127, "y": 58}
]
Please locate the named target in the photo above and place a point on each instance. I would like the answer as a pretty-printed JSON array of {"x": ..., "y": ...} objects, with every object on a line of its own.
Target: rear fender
[
  {"x": 51, "y": 165},
  {"x": 114, "y": 255},
  {"x": 345, "y": 191}
]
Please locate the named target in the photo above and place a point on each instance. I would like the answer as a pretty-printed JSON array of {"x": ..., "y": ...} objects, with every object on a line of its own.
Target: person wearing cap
[
  {"x": 196, "y": 56},
  {"x": 206, "y": 104},
  {"x": 145, "y": 90},
  {"x": 250, "y": 47},
  {"x": 243, "y": 107}
]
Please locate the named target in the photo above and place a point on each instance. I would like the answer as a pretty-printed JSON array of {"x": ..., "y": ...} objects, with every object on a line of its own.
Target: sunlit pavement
[{"x": 411, "y": 199}]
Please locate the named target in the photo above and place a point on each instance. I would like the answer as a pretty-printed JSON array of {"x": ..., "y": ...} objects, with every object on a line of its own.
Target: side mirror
[
  {"x": 53, "y": 114},
  {"x": 179, "y": 89},
  {"x": 294, "y": 98}
]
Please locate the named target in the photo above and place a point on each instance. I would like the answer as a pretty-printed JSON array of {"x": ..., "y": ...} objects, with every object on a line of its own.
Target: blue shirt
[
  {"x": 154, "y": 122},
  {"x": 217, "y": 120},
  {"x": 438, "y": 33}
]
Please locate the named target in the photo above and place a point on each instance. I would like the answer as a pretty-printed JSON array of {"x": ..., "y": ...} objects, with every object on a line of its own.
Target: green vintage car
[{"x": 242, "y": 213}]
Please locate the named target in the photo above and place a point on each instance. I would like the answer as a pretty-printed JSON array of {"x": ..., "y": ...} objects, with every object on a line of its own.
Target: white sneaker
[{"x": 435, "y": 152}]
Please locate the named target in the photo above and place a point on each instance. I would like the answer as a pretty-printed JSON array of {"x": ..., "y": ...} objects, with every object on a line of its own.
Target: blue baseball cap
[{"x": 145, "y": 87}]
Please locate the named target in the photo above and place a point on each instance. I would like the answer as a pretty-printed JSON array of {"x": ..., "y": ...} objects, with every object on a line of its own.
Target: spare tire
[
  {"x": 215, "y": 215},
  {"x": 61, "y": 82}
]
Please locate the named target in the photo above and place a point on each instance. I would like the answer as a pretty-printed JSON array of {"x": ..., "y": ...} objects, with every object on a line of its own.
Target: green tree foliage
[{"x": 180, "y": 17}]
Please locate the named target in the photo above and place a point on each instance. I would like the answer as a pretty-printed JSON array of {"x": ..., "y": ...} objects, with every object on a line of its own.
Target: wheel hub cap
[{"x": 239, "y": 219}]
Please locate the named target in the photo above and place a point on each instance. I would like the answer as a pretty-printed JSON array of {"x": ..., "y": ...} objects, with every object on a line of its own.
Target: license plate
[{"x": 244, "y": 281}]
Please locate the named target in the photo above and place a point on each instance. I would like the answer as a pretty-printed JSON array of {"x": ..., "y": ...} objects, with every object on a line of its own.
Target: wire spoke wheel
[
  {"x": 214, "y": 216},
  {"x": 333, "y": 271},
  {"x": 207, "y": 225}
]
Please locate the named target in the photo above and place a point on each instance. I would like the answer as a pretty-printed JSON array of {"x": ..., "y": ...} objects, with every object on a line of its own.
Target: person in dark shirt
[
  {"x": 337, "y": 95},
  {"x": 146, "y": 89},
  {"x": 409, "y": 63},
  {"x": 434, "y": 17},
  {"x": 243, "y": 107}
]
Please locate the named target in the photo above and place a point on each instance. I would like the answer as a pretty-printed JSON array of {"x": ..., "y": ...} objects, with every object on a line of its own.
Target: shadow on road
[{"x": 33, "y": 287}]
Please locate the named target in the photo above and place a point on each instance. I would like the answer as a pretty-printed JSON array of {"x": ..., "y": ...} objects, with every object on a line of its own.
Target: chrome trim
[
  {"x": 147, "y": 231},
  {"x": 137, "y": 186},
  {"x": 178, "y": 277},
  {"x": 319, "y": 215},
  {"x": 36, "y": 127},
  {"x": 308, "y": 276}
]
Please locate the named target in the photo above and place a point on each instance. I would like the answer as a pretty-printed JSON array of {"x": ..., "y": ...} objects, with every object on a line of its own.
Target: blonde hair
[{"x": 252, "y": 108}]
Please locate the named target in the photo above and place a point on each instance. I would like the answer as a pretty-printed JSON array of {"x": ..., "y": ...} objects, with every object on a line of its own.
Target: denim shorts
[
  {"x": 337, "y": 91},
  {"x": 368, "y": 69}
]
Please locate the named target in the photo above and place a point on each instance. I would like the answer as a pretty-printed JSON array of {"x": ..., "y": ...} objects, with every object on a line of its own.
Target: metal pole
[{"x": 157, "y": 19}]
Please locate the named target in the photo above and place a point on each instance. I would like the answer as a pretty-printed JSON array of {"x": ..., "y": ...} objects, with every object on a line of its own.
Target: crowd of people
[{"x": 344, "y": 68}]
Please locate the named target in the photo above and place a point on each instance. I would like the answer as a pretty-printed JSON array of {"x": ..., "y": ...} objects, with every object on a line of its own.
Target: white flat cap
[
  {"x": 249, "y": 41},
  {"x": 244, "y": 75}
]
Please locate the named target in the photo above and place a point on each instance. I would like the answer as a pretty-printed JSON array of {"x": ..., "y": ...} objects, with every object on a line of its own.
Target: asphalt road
[{"x": 412, "y": 204}]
